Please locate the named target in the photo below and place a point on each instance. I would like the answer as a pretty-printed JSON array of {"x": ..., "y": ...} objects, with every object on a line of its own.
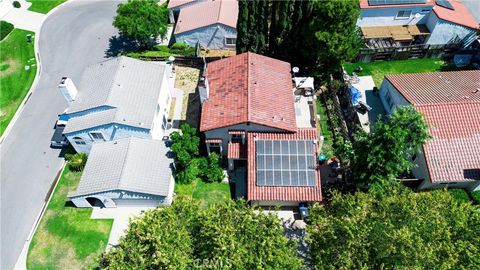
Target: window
[
  {"x": 230, "y": 41},
  {"x": 425, "y": 11},
  {"x": 79, "y": 140},
  {"x": 97, "y": 136},
  {"x": 164, "y": 123},
  {"x": 237, "y": 138},
  {"x": 403, "y": 14},
  {"x": 388, "y": 98},
  {"x": 214, "y": 148}
]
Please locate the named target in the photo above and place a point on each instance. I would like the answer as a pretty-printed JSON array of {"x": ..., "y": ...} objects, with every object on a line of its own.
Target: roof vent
[
  {"x": 465, "y": 97},
  {"x": 476, "y": 90}
]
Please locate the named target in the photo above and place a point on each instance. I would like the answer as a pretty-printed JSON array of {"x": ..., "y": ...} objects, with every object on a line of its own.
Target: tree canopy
[
  {"x": 185, "y": 145},
  {"x": 142, "y": 20},
  {"x": 395, "y": 229},
  {"x": 184, "y": 236},
  {"x": 387, "y": 151}
]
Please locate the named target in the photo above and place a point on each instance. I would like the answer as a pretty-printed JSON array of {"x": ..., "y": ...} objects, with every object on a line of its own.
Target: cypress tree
[{"x": 242, "y": 26}]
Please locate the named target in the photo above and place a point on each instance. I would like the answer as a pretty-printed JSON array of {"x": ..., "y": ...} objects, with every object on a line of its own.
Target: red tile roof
[
  {"x": 207, "y": 13},
  {"x": 450, "y": 102},
  {"x": 364, "y": 5},
  {"x": 249, "y": 88},
  {"x": 213, "y": 141},
  {"x": 281, "y": 193},
  {"x": 237, "y": 151},
  {"x": 460, "y": 15}
]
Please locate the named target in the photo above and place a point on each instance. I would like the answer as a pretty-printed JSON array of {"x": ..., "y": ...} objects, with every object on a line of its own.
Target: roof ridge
[
  {"x": 114, "y": 79},
  {"x": 124, "y": 162},
  {"x": 219, "y": 11},
  {"x": 248, "y": 86}
]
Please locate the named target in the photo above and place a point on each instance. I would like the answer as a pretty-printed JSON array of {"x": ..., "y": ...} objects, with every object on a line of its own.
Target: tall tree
[
  {"x": 387, "y": 151},
  {"x": 242, "y": 27},
  {"x": 226, "y": 236},
  {"x": 395, "y": 229},
  {"x": 142, "y": 20}
]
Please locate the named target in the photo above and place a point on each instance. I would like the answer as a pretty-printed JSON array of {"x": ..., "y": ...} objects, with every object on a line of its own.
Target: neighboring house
[
  {"x": 119, "y": 98},
  {"x": 450, "y": 103},
  {"x": 126, "y": 172},
  {"x": 212, "y": 24},
  {"x": 249, "y": 114},
  {"x": 386, "y": 23},
  {"x": 176, "y": 5}
]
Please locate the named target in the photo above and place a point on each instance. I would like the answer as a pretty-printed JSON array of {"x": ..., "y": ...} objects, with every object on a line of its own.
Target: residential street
[{"x": 74, "y": 36}]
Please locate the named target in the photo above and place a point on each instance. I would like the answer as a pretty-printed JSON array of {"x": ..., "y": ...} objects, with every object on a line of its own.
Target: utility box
[{"x": 68, "y": 89}]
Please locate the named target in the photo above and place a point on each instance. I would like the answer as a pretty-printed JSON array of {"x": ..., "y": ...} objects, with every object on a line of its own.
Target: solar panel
[
  {"x": 285, "y": 163},
  {"x": 394, "y": 2},
  {"x": 445, "y": 4}
]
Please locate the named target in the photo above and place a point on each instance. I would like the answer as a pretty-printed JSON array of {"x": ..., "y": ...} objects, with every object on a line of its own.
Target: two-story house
[
  {"x": 450, "y": 104},
  {"x": 251, "y": 115},
  {"x": 393, "y": 23},
  {"x": 119, "y": 98}
]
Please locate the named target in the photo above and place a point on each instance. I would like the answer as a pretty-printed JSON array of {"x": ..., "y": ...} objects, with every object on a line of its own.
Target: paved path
[
  {"x": 74, "y": 36},
  {"x": 25, "y": 19}
]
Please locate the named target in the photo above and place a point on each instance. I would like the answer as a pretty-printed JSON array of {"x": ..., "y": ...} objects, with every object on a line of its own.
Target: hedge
[
  {"x": 5, "y": 29},
  {"x": 476, "y": 196},
  {"x": 459, "y": 194}
]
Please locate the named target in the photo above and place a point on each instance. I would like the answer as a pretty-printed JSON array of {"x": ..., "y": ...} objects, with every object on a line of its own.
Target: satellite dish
[
  {"x": 295, "y": 69},
  {"x": 171, "y": 58}
]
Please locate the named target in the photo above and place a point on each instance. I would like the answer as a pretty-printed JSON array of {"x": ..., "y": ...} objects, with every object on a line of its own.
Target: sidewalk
[{"x": 25, "y": 19}]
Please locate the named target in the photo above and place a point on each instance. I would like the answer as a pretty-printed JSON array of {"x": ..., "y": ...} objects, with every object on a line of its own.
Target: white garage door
[{"x": 136, "y": 203}]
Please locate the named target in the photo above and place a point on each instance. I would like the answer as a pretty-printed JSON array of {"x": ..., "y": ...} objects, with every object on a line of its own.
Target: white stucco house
[
  {"x": 119, "y": 98},
  {"x": 450, "y": 104},
  {"x": 212, "y": 24},
  {"x": 406, "y": 22},
  {"x": 126, "y": 172}
]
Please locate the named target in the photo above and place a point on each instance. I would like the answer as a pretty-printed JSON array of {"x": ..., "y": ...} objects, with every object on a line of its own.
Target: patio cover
[{"x": 399, "y": 32}]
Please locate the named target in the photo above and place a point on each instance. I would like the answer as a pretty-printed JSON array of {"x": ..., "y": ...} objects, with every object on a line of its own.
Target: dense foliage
[
  {"x": 184, "y": 236},
  {"x": 387, "y": 151},
  {"x": 76, "y": 162},
  {"x": 142, "y": 20},
  {"x": 476, "y": 196},
  {"x": 395, "y": 229},
  {"x": 317, "y": 34},
  {"x": 459, "y": 194},
  {"x": 190, "y": 165},
  {"x": 5, "y": 29}
]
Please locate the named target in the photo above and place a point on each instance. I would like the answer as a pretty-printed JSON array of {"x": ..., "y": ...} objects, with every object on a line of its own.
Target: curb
[{"x": 37, "y": 75}]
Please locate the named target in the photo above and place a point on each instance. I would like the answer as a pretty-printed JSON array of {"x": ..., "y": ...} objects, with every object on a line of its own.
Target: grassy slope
[
  {"x": 324, "y": 129},
  {"x": 379, "y": 69},
  {"x": 15, "y": 54},
  {"x": 44, "y": 6},
  {"x": 206, "y": 193},
  {"x": 67, "y": 238}
]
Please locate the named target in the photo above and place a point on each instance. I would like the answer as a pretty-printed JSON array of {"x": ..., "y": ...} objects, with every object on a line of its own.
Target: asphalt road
[{"x": 73, "y": 37}]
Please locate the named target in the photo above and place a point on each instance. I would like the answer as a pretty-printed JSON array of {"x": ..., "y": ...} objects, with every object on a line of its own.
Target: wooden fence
[{"x": 413, "y": 51}]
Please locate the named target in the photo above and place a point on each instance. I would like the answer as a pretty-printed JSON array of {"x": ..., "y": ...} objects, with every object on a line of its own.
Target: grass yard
[
  {"x": 67, "y": 238},
  {"x": 15, "y": 80},
  {"x": 44, "y": 6},
  {"x": 380, "y": 68},
  {"x": 206, "y": 193},
  {"x": 324, "y": 129}
]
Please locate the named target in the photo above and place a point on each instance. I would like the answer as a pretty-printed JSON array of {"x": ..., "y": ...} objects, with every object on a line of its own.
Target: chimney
[
  {"x": 68, "y": 89},
  {"x": 203, "y": 89}
]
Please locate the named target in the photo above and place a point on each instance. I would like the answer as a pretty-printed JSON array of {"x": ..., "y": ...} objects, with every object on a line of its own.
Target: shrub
[
  {"x": 476, "y": 196},
  {"x": 16, "y": 4},
  {"x": 76, "y": 162},
  {"x": 5, "y": 29},
  {"x": 210, "y": 169},
  {"x": 459, "y": 194}
]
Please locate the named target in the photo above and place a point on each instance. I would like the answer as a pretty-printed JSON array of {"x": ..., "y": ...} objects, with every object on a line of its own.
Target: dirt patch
[
  {"x": 187, "y": 81},
  {"x": 8, "y": 67},
  {"x": 218, "y": 53},
  {"x": 187, "y": 78}
]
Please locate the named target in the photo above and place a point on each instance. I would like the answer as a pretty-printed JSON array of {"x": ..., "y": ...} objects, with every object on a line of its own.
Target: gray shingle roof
[
  {"x": 91, "y": 120},
  {"x": 129, "y": 164},
  {"x": 130, "y": 85}
]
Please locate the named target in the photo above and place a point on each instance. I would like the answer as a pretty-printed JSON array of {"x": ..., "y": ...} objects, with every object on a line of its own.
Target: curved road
[{"x": 73, "y": 37}]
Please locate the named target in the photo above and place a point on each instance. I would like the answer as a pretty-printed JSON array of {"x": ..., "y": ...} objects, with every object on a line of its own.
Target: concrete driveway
[{"x": 74, "y": 36}]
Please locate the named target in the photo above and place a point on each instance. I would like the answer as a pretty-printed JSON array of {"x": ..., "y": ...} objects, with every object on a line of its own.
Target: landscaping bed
[
  {"x": 379, "y": 69},
  {"x": 44, "y": 6},
  {"x": 66, "y": 237},
  {"x": 18, "y": 68},
  {"x": 163, "y": 51}
]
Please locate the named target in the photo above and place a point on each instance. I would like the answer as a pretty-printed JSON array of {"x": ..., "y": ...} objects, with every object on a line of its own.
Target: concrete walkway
[
  {"x": 25, "y": 19},
  {"x": 121, "y": 217}
]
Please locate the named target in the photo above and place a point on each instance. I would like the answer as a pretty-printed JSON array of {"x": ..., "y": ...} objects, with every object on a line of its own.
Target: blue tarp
[{"x": 356, "y": 95}]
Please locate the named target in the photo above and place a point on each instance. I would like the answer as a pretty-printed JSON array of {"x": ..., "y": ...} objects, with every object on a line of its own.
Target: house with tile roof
[
  {"x": 252, "y": 115},
  {"x": 126, "y": 172},
  {"x": 450, "y": 104},
  {"x": 394, "y": 23},
  {"x": 119, "y": 98},
  {"x": 211, "y": 24}
]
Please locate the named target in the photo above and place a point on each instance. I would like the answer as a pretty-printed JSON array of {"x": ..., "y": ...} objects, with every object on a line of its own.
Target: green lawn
[
  {"x": 324, "y": 129},
  {"x": 67, "y": 238},
  {"x": 380, "y": 68},
  {"x": 44, "y": 6},
  {"x": 15, "y": 55},
  {"x": 162, "y": 51},
  {"x": 206, "y": 193}
]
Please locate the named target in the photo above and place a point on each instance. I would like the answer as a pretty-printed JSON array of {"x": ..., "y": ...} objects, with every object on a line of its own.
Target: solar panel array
[
  {"x": 285, "y": 163},
  {"x": 445, "y": 4},
  {"x": 395, "y": 2}
]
